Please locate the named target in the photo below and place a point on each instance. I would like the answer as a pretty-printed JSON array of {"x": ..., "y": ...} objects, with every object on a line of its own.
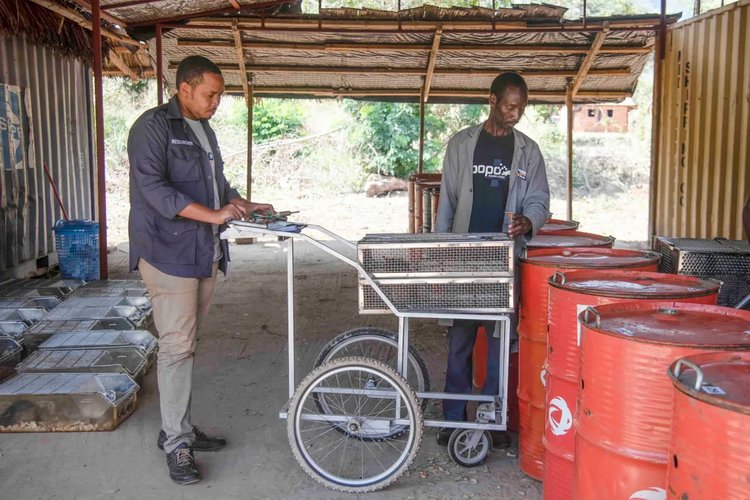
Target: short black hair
[
  {"x": 191, "y": 70},
  {"x": 508, "y": 79}
]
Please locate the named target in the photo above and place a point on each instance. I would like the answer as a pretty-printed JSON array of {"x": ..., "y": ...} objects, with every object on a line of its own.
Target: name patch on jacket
[
  {"x": 182, "y": 143},
  {"x": 522, "y": 174}
]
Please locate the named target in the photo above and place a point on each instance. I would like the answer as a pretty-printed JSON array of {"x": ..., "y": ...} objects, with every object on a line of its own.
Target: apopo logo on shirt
[{"x": 497, "y": 171}]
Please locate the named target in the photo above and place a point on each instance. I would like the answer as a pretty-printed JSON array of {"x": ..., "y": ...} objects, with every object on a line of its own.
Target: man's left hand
[
  {"x": 519, "y": 225},
  {"x": 250, "y": 207}
]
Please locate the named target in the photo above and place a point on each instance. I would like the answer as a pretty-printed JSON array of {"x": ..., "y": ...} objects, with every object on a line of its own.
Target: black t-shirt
[{"x": 492, "y": 161}]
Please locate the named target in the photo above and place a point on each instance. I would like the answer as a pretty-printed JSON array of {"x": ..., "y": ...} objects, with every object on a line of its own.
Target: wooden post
[
  {"x": 410, "y": 191},
  {"x": 569, "y": 172},
  {"x": 101, "y": 182},
  {"x": 249, "y": 159},
  {"x": 159, "y": 67},
  {"x": 417, "y": 207},
  {"x": 420, "y": 160},
  {"x": 653, "y": 183}
]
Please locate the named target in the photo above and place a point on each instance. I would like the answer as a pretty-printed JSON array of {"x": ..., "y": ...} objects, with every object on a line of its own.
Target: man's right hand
[{"x": 229, "y": 212}]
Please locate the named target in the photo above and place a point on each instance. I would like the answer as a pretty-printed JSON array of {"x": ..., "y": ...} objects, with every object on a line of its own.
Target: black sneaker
[
  {"x": 500, "y": 439},
  {"x": 182, "y": 466},
  {"x": 202, "y": 442},
  {"x": 444, "y": 435}
]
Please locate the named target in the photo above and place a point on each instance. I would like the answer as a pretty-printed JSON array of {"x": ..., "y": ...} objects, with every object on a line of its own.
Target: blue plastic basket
[{"x": 77, "y": 244}]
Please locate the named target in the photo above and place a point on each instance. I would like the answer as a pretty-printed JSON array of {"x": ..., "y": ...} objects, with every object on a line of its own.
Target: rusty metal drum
[
  {"x": 558, "y": 225},
  {"x": 570, "y": 293},
  {"x": 624, "y": 417},
  {"x": 709, "y": 451},
  {"x": 536, "y": 268},
  {"x": 568, "y": 239}
]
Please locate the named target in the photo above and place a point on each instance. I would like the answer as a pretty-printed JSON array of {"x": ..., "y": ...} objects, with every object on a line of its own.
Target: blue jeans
[{"x": 458, "y": 376}]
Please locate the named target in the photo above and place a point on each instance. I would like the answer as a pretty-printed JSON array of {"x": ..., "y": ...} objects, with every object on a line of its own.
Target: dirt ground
[{"x": 240, "y": 383}]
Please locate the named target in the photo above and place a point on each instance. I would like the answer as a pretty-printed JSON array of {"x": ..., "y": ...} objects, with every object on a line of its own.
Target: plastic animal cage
[
  {"x": 45, "y": 329},
  {"x": 38, "y": 287},
  {"x": 107, "y": 359},
  {"x": 727, "y": 261},
  {"x": 112, "y": 288},
  {"x": 140, "y": 340},
  {"x": 77, "y": 245},
  {"x": 59, "y": 402},
  {"x": 134, "y": 309},
  {"x": 10, "y": 355}
]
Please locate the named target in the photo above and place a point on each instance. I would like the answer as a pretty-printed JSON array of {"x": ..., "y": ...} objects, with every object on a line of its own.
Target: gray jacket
[{"x": 528, "y": 193}]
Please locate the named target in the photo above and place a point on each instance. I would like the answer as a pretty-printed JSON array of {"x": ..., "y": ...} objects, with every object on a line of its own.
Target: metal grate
[
  {"x": 487, "y": 295},
  {"x": 436, "y": 254},
  {"x": 725, "y": 260}
]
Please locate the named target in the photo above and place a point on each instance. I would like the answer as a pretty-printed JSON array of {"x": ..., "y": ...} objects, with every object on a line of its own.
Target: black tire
[
  {"x": 348, "y": 463},
  {"x": 343, "y": 345},
  {"x": 467, "y": 456}
]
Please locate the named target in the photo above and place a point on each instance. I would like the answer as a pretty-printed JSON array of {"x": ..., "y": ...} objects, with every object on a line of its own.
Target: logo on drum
[
  {"x": 543, "y": 377},
  {"x": 565, "y": 422},
  {"x": 652, "y": 493}
]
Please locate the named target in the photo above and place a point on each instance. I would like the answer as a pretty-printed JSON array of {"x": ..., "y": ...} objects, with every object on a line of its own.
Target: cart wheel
[
  {"x": 364, "y": 397},
  {"x": 461, "y": 450},
  {"x": 379, "y": 344}
]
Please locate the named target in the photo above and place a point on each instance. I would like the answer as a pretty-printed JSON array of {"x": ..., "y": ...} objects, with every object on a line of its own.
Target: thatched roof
[{"x": 445, "y": 54}]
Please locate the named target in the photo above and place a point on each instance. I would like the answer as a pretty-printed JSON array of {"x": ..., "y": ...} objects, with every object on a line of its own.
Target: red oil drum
[
  {"x": 558, "y": 225},
  {"x": 624, "y": 417},
  {"x": 536, "y": 268},
  {"x": 709, "y": 453},
  {"x": 479, "y": 374},
  {"x": 569, "y": 294},
  {"x": 568, "y": 238}
]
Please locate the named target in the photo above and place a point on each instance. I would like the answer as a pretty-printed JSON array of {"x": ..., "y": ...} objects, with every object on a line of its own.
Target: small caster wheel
[{"x": 469, "y": 447}]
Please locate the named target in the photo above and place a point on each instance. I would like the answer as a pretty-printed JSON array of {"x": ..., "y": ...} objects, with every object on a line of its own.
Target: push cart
[{"x": 355, "y": 422}]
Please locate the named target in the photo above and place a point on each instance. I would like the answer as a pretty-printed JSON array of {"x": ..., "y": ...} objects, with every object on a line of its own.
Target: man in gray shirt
[{"x": 179, "y": 199}]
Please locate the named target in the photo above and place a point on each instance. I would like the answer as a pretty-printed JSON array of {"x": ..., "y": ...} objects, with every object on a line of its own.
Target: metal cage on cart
[{"x": 355, "y": 404}]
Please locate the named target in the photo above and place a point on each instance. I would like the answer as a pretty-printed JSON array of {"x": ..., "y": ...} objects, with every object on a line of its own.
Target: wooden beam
[
  {"x": 122, "y": 66},
  {"x": 107, "y": 17},
  {"x": 415, "y": 92},
  {"x": 400, "y": 25},
  {"x": 409, "y": 47},
  {"x": 241, "y": 58},
  {"x": 234, "y": 4},
  {"x": 588, "y": 62},
  {"x": 422, "y": 101},
  {"x": 83, "y": 22},
  {"x": 353, "y": 70},
  {"x": 430, "y": 71},
  {"x": 160, "y": 67}
]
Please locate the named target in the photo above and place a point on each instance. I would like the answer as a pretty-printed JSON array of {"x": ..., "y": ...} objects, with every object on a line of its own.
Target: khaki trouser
[{"x": 180, "y": 305}]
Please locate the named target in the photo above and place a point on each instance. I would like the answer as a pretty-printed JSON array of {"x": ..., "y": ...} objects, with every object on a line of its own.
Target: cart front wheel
[
  {"x": 361, "y": 397},
  {"x": 469, "y": 447}
]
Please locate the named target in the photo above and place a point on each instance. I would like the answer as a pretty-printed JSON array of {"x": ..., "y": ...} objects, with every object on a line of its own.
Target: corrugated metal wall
[
  {"x": 58, "y": 93},
  {"x": 703, "y": 163}
]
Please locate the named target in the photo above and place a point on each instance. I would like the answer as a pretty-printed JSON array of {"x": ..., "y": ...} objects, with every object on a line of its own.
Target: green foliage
[{"x": 387, "y": 134}]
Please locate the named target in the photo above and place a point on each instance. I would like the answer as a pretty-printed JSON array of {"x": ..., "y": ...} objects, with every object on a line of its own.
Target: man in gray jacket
[
  {"x": 494, "y": 180},
  {"x": 179, "y": 199}
]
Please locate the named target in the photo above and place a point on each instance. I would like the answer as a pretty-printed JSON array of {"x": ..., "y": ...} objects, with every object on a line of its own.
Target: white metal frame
[{"x": 241, "y": 229}]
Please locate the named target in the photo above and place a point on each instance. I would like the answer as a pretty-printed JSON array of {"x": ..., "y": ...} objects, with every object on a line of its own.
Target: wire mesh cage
[
  {"x": 436, "y": 254},
  {"x": 727, "y": 261}
]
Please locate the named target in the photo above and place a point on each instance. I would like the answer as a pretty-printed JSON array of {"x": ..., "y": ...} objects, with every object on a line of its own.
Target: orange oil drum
[
  {"x": 558, "y": 225},
  {"x": 624, "y": 417},
  {"x": 569, "y": 238},
  {"x": 709, "y": 453},
  {"x": 479, "y": 374},
  {"x": 569, "y": 294},
  {"x": 536, "y": 268}
]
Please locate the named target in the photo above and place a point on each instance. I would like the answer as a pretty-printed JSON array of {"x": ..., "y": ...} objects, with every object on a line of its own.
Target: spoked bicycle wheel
[
  {"x": 362, "y": 396},
  {"x": 378, "y": 344}
]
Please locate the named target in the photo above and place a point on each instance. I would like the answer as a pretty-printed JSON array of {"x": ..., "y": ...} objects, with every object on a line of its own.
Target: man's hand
[
  {"x": 228, "y": 212},
  {"x": 519, "y": 225},
  {"x": 250, "y": 207}
]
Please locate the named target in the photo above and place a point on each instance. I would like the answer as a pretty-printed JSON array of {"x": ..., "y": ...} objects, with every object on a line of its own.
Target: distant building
[{"x": 602, "y": 117}]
